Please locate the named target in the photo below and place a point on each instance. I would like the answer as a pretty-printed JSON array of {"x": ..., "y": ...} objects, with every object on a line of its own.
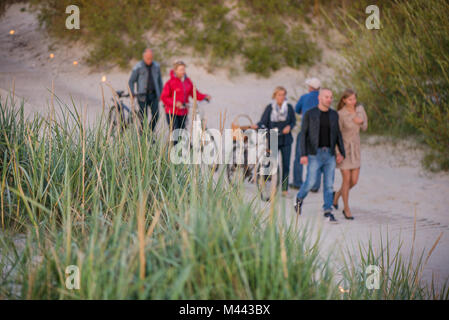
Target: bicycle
[
  {"x": 268, "y": 181},
  {"x": 206, "y": 135},
  {"x": 120, "y": 115},
  {"x": 261, "y": 173},
  {"x": 198, "y": 117},
  {"x": 123, "y": 116}
]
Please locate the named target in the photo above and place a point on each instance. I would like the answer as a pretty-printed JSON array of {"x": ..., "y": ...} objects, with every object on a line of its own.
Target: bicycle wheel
[
  {"x": 236, "y": 171},
  {"x": 113, "y": 118},
  {"x": 211, "y": 140},
  {"x": 267, "y": 180},
  {"x": 119, "y": 117}
]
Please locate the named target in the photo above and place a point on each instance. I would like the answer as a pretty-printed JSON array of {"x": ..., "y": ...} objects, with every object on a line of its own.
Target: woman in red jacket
[{"x": 181, "y": 84}]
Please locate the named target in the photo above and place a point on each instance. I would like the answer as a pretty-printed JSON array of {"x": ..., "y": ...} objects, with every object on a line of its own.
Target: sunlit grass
[
  {"x": 401, "y": 72},
  {"x": 140, "y": 227}
]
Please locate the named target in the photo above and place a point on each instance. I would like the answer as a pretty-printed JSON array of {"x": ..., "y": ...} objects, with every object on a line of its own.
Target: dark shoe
[
  {"x": 294, "y": 186},
  {"x": 346, "y": 217},
  {"x": 315, "y": 190},
  {"x": 330, "y": 216},
  {"x": 298, "y": 206},
  {"x": 335, "y": 205}
]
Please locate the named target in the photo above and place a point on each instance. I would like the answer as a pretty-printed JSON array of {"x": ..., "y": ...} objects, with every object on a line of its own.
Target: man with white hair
[
  {"x": 147, "y": 74},
  {"x": 305, "y": 103}
]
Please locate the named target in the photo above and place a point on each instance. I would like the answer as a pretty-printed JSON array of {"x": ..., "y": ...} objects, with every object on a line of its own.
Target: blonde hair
[
  {"x": 178, "y": 63},
  {"x": 278, "y": 89}
]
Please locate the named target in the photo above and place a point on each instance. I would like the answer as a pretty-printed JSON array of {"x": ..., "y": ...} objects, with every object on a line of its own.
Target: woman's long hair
[{"x": 346, "y": 94}]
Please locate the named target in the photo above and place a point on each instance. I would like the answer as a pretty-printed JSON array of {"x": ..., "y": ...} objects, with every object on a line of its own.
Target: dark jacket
[
  {"x": 139, "y": 75},
  {"x": 310, "y": 133},
  {"x": 283, "y": 139}
]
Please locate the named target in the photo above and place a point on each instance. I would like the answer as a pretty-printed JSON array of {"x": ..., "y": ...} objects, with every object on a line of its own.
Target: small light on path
[
  {"x": 75, "y": 63},
  {"x": 11, "y": 32},
  {"x": 342, "y": 290},
  {"x": 103, "y": 79},
  {"x": 52, "y": 55}
]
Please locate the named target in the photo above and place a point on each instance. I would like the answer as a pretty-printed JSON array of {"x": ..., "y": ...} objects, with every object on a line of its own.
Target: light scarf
[{"x": 278, "y": 114}]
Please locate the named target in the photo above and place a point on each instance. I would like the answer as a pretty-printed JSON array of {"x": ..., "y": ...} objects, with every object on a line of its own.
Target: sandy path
[
  {"x": 391, "y": 187},
  {"x": 384, "y": 202}
]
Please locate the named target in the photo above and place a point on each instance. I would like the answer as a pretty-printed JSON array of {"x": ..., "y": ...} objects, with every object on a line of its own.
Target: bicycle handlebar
[
  {"x": 120, "y": 94},
  {"x": 185, "y": 105},
  {"x": 279, "y": 131}
]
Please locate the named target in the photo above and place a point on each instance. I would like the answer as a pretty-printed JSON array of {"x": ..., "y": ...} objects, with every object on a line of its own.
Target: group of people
[
  {"x": 328, "y": 139},
  {"x": 175, "y": 93}
]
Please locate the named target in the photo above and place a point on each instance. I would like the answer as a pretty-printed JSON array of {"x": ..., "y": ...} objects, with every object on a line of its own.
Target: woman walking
[
  {"x": 352, "y": 118},
  {"x": 280, "y": 114},
  {"x": 175, "y": 96}
]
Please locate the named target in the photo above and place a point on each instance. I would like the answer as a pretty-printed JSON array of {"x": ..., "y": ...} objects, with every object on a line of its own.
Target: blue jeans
[
  {"x": 298, "y": 167},
  {"x": 324, "y": 161}
]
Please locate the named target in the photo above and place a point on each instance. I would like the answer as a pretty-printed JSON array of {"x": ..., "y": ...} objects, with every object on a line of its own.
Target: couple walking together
[
  {"x": 328, "y": 140},
  {"x": 175, "y": 94}
]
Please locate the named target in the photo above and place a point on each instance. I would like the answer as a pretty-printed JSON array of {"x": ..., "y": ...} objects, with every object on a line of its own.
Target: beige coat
[{"x": 351, "y": 136}]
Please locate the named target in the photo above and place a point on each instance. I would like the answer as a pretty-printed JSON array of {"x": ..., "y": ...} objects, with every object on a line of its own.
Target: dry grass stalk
[
  {"x": 283, "y": 255},
  {"x": 102, "y": 100},
  {"x": 170, "y": 125},
  {"x": 141, "y": 236}
]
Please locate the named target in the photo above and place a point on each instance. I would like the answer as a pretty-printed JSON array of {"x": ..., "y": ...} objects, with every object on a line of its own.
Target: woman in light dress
[{"x": 352, "y": 118}]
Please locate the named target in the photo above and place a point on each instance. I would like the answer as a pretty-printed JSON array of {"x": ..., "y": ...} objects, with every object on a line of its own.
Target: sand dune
[{"x": 392, "y": 186}]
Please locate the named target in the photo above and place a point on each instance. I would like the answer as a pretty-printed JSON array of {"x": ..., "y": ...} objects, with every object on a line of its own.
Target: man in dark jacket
[
  {"x": 319, "y": 136},
  {"x": 147, "y": 74},
  {"x": 305, "y": 103}
]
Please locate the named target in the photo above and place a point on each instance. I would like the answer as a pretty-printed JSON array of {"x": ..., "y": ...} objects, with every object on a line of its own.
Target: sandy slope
[{"x": 392, "y": 186}]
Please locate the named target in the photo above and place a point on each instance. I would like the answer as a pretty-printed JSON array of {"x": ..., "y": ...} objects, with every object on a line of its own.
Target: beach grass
[
  {"x": 265, "y": 34},
  {"x": 140, "y": 227},
  {"x": 400, "y": 72}
]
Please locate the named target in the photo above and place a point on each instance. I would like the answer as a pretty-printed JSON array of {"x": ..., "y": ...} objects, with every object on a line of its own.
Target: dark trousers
[
  {"x": 151, "y": 101},
  {"x": 286, "y": 151},
  {"x": 177, "y": 122}
]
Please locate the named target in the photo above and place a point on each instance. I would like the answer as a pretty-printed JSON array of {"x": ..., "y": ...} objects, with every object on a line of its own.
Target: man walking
[
  {"x": 147, "y": 74},
  {"x": 320, "y": 134},
  {"x": 305, "y": 103}
]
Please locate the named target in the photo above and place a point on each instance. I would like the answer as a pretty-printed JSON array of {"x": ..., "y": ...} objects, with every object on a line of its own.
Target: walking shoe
[
  {"x": 330, "y": 216},
  {"x": 335, "y": 205},
  {"x": 315, "y": 190},
  {"x": 291, "y": 185},
  {"x": 298, "y": 205}
]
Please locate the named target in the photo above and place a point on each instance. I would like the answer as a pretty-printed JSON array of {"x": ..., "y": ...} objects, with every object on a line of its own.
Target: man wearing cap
[{"x": 305, "y": 103}]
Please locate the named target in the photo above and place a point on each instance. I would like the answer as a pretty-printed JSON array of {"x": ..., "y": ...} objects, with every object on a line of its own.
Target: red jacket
[{"x": 183, "y": 89}]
